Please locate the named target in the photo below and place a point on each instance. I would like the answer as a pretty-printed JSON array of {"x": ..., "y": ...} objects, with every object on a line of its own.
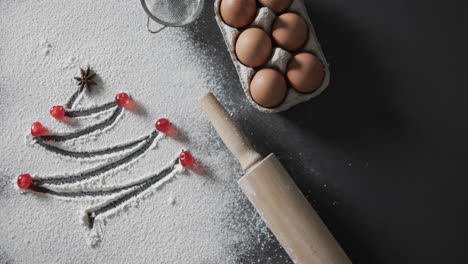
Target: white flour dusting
[{"x": 201, "y": 217}]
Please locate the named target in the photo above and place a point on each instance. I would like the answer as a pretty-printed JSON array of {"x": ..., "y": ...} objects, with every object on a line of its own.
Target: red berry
[
  {"x": 186, "y": 159},
  {"x": 38, "y": 130},
  {"x": 25, "y": 181},
  {"x": 122, "y": 99},
  {"x": 163, "y": 125},
  {"x": 58, "y": 112}
]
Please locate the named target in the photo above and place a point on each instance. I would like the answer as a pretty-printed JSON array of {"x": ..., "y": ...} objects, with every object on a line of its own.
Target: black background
[{"x": 382, "y": 153}]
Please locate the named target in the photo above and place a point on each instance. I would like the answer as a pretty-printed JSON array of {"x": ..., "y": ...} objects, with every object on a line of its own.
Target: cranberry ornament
[
  {"x": 186, "y": 159},
  {"x": 25, "y": 181},
  {"x": 163, "y": 125},
  {"x": 38, "y": 130},
  {"x": 58, "y": 112},
  {"x": 122, "y": 99}
]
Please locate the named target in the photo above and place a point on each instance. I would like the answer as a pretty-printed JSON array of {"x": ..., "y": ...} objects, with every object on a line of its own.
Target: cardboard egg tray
[{"x": 279, "y": 59}]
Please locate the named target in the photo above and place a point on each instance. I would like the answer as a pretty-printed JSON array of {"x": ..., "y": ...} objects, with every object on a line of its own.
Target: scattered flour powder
[{"x": 195, "y": 217}]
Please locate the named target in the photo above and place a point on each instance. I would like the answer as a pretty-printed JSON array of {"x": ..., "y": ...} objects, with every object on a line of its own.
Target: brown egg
[
  {"x": 278, "y": 6},
  {"x": 268, "y": 88},
  {"x": 289, "y": 31},
  {"x": 305, "y": 72},
  {"x": 238, "y": 13},
  {"x": 253, "y": 47}
]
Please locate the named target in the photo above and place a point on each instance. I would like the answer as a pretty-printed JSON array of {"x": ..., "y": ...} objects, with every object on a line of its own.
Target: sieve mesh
[{"x": 173, "y": 12}]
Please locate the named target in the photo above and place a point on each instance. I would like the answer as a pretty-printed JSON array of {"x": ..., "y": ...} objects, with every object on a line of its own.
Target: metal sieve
[{"x": 171, "y": 13}]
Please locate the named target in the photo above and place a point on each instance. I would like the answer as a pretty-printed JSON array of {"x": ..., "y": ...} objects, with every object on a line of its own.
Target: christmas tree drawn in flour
[{"x": 82, "y": 185}]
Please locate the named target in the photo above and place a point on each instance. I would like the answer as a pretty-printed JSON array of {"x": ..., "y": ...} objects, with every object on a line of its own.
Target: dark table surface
[{"x": 382, "y": 153}]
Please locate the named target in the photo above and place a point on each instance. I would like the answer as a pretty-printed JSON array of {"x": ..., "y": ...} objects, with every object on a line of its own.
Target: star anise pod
[{"x": 85, "y": 80}]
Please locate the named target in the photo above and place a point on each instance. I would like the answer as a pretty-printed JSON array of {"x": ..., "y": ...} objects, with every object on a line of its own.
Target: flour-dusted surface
[
  {"x": 405, "y": 141},
  {"x": 197, "y": 217}
]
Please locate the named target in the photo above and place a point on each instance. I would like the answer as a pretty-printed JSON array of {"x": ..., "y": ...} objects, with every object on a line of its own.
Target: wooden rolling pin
[{"x": 276, "y": 197}]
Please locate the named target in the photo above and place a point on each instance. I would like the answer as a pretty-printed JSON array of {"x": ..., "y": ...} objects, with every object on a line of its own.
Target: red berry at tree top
[
  {"x": 38, "y": 130},
  {"x": 58, "y": 112},
  {"x": 186, "y": 159},
  {"x": 163, "y": 125},
  {"x": 122, "y": 99},
  {"x": 25, "y": 181}
]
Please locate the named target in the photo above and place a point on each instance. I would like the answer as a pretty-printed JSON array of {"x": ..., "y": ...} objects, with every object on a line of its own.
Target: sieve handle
[{"x": 153, "y": 31}]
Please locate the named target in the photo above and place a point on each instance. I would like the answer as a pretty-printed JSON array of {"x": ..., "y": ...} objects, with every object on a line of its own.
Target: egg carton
[{"x": 279, "y": 59}]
